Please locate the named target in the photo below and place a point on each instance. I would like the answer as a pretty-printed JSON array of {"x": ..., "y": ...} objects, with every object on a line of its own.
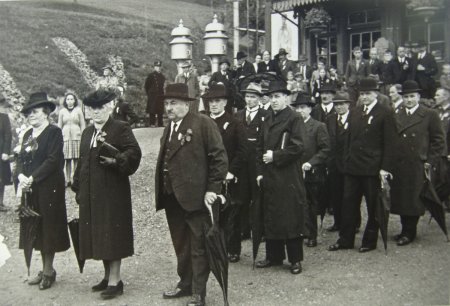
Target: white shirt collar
[
  {"x": 344, "y": 116},
  {"x": 265, "y": 106},
  {"x": 327, "y": 107},
  {"x": 307, "y": 119},
  {"x": 371, "y": 106},
  {"x": 412, "y": 110},
  {"x": 251, "y": 110},
  {"x": 178, "y": 123},
  {"x": 217, "y": 116}
]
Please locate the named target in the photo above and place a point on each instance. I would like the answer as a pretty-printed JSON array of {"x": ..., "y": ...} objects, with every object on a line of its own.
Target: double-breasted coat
[
  {"x": 154, "y": 87},
  {"x": 48, "y": 188},
  {"x": 104, "y": 194},
  {"x": 420, "y": 139},
  {"x": 5, "y": 148},
  {"x": 284, "y": 196}
]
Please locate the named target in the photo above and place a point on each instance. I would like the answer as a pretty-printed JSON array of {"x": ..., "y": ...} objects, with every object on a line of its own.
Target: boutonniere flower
[
  {"x": 370, "y": 120},
  {"x": 226, "y": 125},
  {"x": 186, "y": 137},
  {"x": 446, "y": 115},
  {"x": 101, "y": 136},
  {"x": 345, "y": 125},
  {"x": 31, "y": 145}
]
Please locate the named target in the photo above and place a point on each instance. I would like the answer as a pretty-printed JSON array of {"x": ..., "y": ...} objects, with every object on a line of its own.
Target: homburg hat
[
  {"x": 38, "y": 99},
  {"x": 178, "y": 91},
  {"x": 216, "y": 91},
  {"x": 241, "y": 54},
  {"x": 368, "y": 84},
  {"x": 342, "y": 97},
  {"x": 303, "y": 99},
  {"x": 277, "y": 86}
]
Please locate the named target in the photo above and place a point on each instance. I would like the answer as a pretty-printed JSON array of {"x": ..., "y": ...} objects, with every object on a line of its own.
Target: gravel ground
[{"x": 417, "y": 274}]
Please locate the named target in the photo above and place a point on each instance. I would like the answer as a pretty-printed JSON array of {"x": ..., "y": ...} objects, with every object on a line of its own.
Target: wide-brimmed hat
[
  {"x": 341, "y": 97},
  {"x": 38, "y": 99},
  {"x": 253, "y": 88},
  {"x": 241, "y": 54},
  {"x": 178, "y": 91},
  {"x": 410, "y": 86},
  {"x": 224, "y": 61},
  {"x": 303, "y": 99},
  {"x": 277, "y": 86},
  {"x": 302, "y": 58},
  {"x": 157, "y": 63},
  {"x": 368, "y": 84},
  {"x": 99, "y": 98},
  {"x": 328, "y": 87},
  {"x": 216, "y": 91},
  {"x": 282, "y": 51}
]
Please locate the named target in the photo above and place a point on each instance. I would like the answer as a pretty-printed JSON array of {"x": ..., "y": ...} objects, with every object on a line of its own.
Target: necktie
[
  {"x": 248, "y": 119},
  {"x": 366, "y": 110},
  {"x": 174, "y": 128},
  {"x": 340, "y": 120},
  {"x": 408, "y": 113}
]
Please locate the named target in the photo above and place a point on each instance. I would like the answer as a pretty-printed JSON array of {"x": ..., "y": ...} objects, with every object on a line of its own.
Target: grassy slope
[{"x": 27, "y": 52}]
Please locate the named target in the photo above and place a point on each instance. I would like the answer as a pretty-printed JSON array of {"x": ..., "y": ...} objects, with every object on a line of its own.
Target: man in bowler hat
[
  {"x": 314, "y": 163},
  {"x": 369, "y": 156},
  {"x": 192, "y": 164}
]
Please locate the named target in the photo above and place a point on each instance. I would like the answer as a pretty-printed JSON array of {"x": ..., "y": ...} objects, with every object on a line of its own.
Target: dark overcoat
[
  {"x": 154, "y": 87},
  {"x": 5, "y": 148},
  {"x": 319, "y": 114},
  {"x": 401, "y": 69},
  {"x": 284, "y": 196},
  {"x": 194, "y": 166},
  {"x": 420, "y": 139},
  {"x": 425, "y": 77},
  {"x": 104, "y": 195},
  {"x": 48, "y": 189}
]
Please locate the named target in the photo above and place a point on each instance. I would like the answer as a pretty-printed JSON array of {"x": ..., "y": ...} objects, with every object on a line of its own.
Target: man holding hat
[
  {"x": 252, "y": 117},
  {"x": 424, "y": 67},
  {"x": 314, "y": 162},
  {"x": 189, "y": 77},
  {"x": 244, "y": 67},
  {"x": 369, "y": 156},
  {"x": 224, "y": 77},
  {"x": 357, "y": 69},
  {"x": 154, "y": 88},
  {"x": 279, "y": 175},
  {"x": 235, "y": 141},
  {"x": 285, "y": 65},
  {"x": 421, "y": 142},
  {"x": 192, "y": 164}
]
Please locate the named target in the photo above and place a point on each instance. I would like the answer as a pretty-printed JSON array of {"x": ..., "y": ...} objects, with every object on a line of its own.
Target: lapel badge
[
  {"x": 179, "y": 136},
  {"x": 226, "y": 125},
  {"x": 370, "y": 120}
]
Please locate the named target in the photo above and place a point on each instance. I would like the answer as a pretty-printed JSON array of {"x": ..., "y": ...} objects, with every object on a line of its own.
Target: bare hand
[
  {"x": 5, "y": 157},
  {"x": 386, "y": 174},
  {"x": 210, "y": 197},
  {"x": 258, "y": 180},
  {"x": 107, "y": 161},
  {"x": 230, "y": 176},
  {"x": 306, "y": 167},
  {"x": 268, "y": 157},
  {"x": 420, "y": 67}
]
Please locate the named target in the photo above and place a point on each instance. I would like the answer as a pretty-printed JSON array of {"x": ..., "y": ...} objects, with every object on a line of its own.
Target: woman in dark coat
[
  {"x": 280, "y": 177},
  {"x": 41, "y": 181},
  {"x": 5, "y": 148},
  {"x": 103, "y": 190}
]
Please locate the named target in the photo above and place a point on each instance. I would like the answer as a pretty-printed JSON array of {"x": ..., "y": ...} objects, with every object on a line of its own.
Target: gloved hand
[{"x": 107, "y": 161}]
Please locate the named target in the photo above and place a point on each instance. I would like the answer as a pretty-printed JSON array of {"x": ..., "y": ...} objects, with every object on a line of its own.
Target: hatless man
[
  {"x": 396, "y": 97},
  {"x": 420, "y": 142},
  {"x": 401, "y": 65},
  {"x": 374, "y": 64},
  {"x": 154, "y": 88},
  {"x": 314, "y": 162},
  {"x": 235, "y": 141},
  {"x": 369, "y": 156},
  {"x": 357, "y": 69},
  {"x": 192, "y": 164},
  {"x": 423, "y": 70}
]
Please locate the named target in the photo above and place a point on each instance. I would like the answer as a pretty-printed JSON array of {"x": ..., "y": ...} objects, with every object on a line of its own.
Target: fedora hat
[
  {"x": 302, "y": 58},
  {"x": 328, "y": 87},
  {"x": 38, "y": 99},
  {"x": 224, "y": 61},
  {"x": 368, "y": 84},
  {"x": 282, "y": 51},
  {"x": 241, "y": 54},
  {"x": 157, "y": 63},
  {"x": 99, "y": 98},
  {"x": 253, "y": 88},
  {"x": 410, "y": 86},
  {"x": 277, "y": 86},
  {"x": 216, "y": 91},
  {"x": 178, "y": 91},
  {"x": 342, "y": 97},
  {"x": 303, "y": 99}
]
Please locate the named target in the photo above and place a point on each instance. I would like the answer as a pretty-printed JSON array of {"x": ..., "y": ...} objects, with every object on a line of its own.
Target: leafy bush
[{"x": 316, "y": 16}]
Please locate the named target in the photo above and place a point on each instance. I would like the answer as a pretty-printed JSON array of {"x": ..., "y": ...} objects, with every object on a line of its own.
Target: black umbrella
[
  {"x": 432, "y": 202},
  {"x": 383, "y": 208},
  {"x": 257, "y": 223},
  {"x": 74, "y": 228},
  {"x": 216, "y": 248},
  {"x": 29, "y": 224}
]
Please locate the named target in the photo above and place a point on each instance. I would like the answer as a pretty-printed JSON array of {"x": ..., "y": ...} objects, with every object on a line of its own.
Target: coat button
[{"x": 404, "y": 135}]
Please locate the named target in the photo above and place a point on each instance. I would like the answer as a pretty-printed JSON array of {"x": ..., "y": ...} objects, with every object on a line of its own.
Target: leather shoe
[
  {"x": 310, "y": 243},
  {"x": 47, "y": 281},
  {"x": 398, "y": 237},
  {"x": 337, "y": 246},
  {"x": 333, "y": 228},
  {"x": 37, "y": 280},
  {"x": 196, "y": 300},
  {"x": 296, "y": 268},
  {"x": 112, "y": 291},
  {"x": 100, "y": 286},
  {"x": 365, "y": 249},
  {"x": 404, "y": 241},
  {"x": 176, "y": 293},
  {"x": 267, "y": 263},
  {"x": 234, "y": 258}
]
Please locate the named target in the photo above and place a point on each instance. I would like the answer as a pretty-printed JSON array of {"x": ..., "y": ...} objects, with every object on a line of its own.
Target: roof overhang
[{"x": 286, "y": 5}]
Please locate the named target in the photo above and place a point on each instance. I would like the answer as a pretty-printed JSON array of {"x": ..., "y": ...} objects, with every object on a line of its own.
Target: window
[
  {"x": 363, "y": 17},
  {"x": 432, "y": 34},
  {"x": 365, "y": 40},
  {"x": 327, "y": 48}
]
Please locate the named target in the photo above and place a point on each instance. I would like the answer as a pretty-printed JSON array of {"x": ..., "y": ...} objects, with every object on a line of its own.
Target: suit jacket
[
  {"x": 401, "y": 71},
  {"x": 317, "y": 150},
  {"x": 370, "y": 141},
  {"x": 338, "y": 141},
  {"x": 352, "y": 75},
  {"x": 319, "y": 114},
  {"x": 218, "y": 77},
  {"x": 271, "y": 66},
  {"x": 244, "y": 70},
  {"x": 285, "y": 67},
  {"x": 425, "y": 77},
  {"x": 375, "y": 67},
  {"x": 235, "y": 141},
  {"x": 191, "y": 82},
  {"x": 387, "y": 75},
  {"x": 195, "y": 165}
]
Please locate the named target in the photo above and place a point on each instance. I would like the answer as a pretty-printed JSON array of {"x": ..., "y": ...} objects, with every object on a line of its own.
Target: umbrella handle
[{"x": 209, "y": 207}]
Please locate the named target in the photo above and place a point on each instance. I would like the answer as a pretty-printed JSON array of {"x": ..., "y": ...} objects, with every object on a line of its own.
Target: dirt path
[{"x": 417, "y": 274}]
